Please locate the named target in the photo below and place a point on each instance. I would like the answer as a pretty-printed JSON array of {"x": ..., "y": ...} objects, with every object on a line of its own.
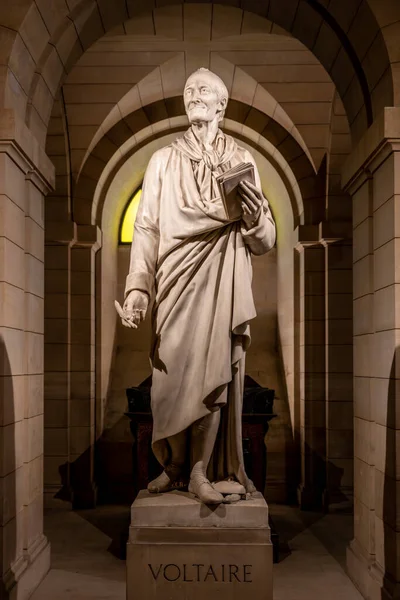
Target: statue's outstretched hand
[
  {"x": 134, "y": 309},
  {"x": 252, "y": 201}
]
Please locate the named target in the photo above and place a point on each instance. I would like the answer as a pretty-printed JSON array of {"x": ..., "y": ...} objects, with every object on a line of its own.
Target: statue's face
[{"x": 201, "y": 99}]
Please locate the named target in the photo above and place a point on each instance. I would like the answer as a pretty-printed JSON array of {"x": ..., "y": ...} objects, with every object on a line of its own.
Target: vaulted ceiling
[{"x": 148, "y": 58}]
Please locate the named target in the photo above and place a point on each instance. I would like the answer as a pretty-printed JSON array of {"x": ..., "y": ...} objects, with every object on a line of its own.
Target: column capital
[
  {"x": 19, "y": 143},
  {"x": 88, "y": 236},
  {"x": 305, "y": 236},
  {"x": 70, "y": 233},
  {"x": 378, "y": 142},
  {"x": 60, "y": 233},
  {"x": 322, "y": 234},
  {"x": 331, "y": 232},
  {"x": 34, "y": 177}
]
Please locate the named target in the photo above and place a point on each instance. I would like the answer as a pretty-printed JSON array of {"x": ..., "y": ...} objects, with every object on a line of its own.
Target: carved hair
[{"x": 219, "y": 86}]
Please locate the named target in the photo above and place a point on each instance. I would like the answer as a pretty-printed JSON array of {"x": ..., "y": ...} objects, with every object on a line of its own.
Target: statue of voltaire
[{"x": 197, "y": 265}]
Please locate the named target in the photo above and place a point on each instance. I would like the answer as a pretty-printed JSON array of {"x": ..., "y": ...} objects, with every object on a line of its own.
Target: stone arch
[
  {"x": 177, "y": 125},
  {"x": 258, "y": 99},
  {"x": 169, "y": 108},
  {"x": 338, "y": 202},
  {"x": 387, "y": 15},
  {"x": 337, "y": 37}
]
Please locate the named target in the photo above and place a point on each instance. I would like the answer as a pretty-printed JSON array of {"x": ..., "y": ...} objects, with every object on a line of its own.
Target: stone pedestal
[{"x": 180, "y": 549}]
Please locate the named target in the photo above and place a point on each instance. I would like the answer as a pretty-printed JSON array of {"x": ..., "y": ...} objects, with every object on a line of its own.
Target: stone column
[
  {"x": 82, "y": 425},
  {"x": 60, "y": 233},
  {"x": 339, "y": 367},
  {"x": 57, "y": 358},
  {"x": 312, "y": 374},
  {"x": 70, "y": 362},
  {"x": 363, "y": 328},
  {"x": 25, "y": 176},
  {"x": 325, "y": 320},
  {"x": 373, "y": 176},
  {"x": 385, "y": 370}
]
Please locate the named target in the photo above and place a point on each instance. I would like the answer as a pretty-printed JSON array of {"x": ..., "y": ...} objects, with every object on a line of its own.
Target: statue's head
[{"x": 205, "y": 96}]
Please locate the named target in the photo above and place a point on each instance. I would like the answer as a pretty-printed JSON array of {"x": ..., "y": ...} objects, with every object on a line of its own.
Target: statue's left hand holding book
[{"x": 228, "y": 183}]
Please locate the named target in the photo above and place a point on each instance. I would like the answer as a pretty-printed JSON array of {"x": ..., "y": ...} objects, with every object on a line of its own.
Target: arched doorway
[{"x": 41, "y": 47}]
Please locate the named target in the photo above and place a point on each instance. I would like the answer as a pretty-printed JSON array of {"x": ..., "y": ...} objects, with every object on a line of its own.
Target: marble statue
[{"x": 196, "y": 265}]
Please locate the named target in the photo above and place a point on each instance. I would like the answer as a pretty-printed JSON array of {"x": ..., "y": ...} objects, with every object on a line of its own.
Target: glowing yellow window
[{"x": 128, "y": 219}]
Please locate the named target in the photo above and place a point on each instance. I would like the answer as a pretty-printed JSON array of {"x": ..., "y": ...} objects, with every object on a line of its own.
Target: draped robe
[{"x": 197, "y": 264}]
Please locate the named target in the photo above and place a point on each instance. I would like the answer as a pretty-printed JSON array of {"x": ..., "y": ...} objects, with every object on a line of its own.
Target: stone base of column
[
  {"x": 310, "y": 497},
  {"x": 359, "y": 568},
  {"x": 25, "y": 576},
  {"x": 54, "y": 494},
  {"x": 369, "y": 577},
  {"x": 179, "y": 548},
  {"x": 338, "y": 500},
  {"x": 382, "y": 586},
  {"x": 84, "y": 497},
  {"x": 81, "y": 497}
]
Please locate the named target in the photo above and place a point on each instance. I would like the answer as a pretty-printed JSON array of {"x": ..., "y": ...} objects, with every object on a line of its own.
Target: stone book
[{"x": 228, "y": 183}]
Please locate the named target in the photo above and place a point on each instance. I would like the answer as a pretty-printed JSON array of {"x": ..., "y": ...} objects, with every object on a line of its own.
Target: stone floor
[{"x": 88, "y": 555}]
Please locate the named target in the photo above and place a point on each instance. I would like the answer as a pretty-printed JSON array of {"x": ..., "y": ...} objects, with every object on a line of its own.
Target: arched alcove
[
  {"x": 348, "y": 59},
  {"x": 356, "y": 42},
  {"x": 149, "y": 109}
]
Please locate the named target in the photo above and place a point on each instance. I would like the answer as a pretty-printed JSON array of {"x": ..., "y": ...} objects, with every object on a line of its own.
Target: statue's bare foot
[
  {"x": 163, "y": 483},
  {"x": 250, "y": 487},
  {"x": 202, "y": 488}
]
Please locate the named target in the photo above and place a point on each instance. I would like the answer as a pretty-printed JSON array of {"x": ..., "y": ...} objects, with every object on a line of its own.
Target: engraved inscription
[{"x": 199, "y": 573}]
